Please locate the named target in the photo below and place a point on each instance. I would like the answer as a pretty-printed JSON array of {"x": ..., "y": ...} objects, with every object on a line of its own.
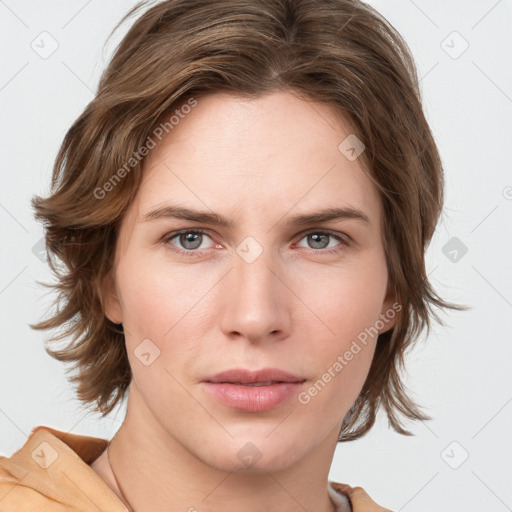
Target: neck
[{"x": 153, "y": 471}]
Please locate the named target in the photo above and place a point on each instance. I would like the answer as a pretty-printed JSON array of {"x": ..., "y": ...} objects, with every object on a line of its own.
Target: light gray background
[{"x": 460, "y": 373}]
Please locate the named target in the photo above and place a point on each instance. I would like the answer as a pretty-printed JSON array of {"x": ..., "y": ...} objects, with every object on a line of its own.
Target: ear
[
  {"x": 390, "y": 311},
  {"x": 110, "y": 300}
]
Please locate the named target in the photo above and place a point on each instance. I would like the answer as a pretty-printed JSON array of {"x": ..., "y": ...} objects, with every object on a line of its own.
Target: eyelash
[{"x": 193, "y": 253}]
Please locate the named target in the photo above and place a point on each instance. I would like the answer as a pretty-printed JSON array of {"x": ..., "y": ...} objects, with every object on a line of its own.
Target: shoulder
[
  {"x": 359, "y": 498},
  {"x": 50, "y": 473},
  {"x": 24, "y": 482},
  {"x": 22, "y": 489}
]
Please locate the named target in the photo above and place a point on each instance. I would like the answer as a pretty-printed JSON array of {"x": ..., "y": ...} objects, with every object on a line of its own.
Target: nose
[{"x": 256, "y": 300}]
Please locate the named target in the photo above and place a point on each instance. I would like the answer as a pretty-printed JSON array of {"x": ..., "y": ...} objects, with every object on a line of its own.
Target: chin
[{"x": 255, "y": 454}]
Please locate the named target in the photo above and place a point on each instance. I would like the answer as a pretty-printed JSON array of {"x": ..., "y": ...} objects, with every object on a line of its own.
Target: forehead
[{"x": 276, "y": 153}]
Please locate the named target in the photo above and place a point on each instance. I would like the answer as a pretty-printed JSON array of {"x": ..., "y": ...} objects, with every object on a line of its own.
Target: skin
[{"x": 295, "y": 307}]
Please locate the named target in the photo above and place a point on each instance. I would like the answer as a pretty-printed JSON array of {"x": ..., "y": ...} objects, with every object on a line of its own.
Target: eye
[
  {"x": 188, "y": 239},
  {"x": 319, "y": 241}
]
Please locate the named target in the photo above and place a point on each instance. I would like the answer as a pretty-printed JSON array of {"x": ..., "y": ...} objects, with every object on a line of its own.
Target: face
[{"x": 264, "y": 291}]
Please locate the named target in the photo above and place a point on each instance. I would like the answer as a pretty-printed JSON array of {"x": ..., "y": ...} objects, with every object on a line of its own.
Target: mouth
[
  {"x": 255, "y": 384},
  {"x": 253, "y": 391},
  {"x": 263, "y": 377}
]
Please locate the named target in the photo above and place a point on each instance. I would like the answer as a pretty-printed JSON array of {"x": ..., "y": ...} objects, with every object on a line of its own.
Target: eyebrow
[{"x": 215, "y": 219}]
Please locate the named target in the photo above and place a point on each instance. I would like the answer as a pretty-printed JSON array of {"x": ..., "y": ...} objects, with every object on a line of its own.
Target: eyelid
[
  {"x": 173, "y": 234},
  {"x": 335, "y": 234},
  {"x": 342, "y": 238}
]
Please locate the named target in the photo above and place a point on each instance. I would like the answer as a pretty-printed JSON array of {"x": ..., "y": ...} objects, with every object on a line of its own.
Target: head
[{"x": 258, "y": 112}]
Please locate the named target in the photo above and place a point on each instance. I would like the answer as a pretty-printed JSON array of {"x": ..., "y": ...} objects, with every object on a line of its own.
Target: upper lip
[{"x": 254, "y": 376}]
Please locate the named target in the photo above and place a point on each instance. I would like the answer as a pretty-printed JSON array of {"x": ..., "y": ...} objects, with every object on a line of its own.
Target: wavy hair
[{"x": 341, "y": 53}]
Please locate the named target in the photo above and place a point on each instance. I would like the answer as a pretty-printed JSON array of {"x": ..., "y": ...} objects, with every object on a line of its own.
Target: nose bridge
[{"x": 255, "y": 305}]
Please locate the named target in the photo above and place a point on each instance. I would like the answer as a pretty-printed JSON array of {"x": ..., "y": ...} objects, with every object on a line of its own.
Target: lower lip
[{"x": 253, "y": 398}]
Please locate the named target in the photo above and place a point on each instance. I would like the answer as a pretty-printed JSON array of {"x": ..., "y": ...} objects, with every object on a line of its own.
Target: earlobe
[
  {"x": 389, "y": 313},
  {"x": 110, "y": 300}
]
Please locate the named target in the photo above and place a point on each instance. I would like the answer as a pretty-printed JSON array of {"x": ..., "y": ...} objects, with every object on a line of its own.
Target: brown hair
[{"x": 338, "y": 52}]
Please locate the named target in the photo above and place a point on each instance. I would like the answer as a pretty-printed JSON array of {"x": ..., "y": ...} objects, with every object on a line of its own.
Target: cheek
[
  {"x": 348, "y": 304},
  {"x": 346, "y": 300},
  {"x": 160, "y": 303},
  {"x": 341, "y": 360},
  {"x": 157, "y": 326},
  {"x": 155, "y": 295}
]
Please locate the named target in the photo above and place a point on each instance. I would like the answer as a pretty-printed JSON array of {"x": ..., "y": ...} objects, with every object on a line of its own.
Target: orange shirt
[{"x": 51, "y": 473}]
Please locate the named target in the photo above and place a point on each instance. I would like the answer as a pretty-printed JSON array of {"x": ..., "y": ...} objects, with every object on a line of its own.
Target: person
[{"x": 237, "y": 224}]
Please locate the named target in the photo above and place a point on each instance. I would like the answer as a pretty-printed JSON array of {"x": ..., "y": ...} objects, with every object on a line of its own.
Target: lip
[
  {"x": 229, "y": 389},
  {"x": 253, "y": 376}
]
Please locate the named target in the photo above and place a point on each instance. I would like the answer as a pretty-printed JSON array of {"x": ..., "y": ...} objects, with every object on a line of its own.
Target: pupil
[
  {"x": 316, "y": 238},
  {"x": 191, "y": 238}
]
